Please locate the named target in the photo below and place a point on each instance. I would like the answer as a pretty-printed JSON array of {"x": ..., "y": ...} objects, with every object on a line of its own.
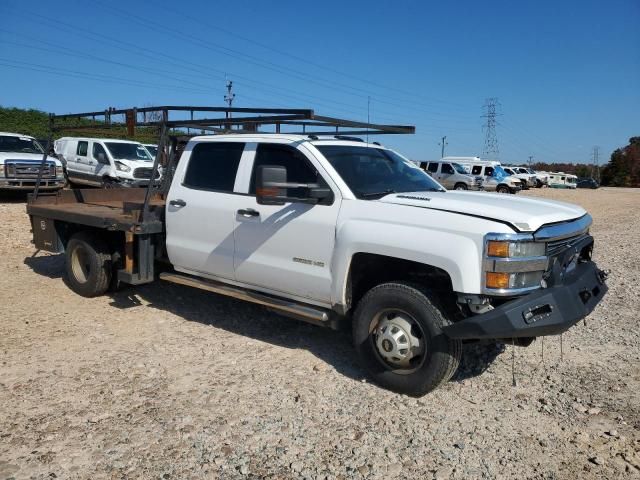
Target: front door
[
  {"x": 99, "y": 165},
  {"x": 200, "y": 211},
  {"x": 286, "y": 248},
  {"x": 446, "y": 175}
]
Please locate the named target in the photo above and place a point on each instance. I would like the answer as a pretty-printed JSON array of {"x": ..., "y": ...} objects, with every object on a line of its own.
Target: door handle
[
  {"x": 248, "y": 212},
  {"x": 178, "y": 203}
]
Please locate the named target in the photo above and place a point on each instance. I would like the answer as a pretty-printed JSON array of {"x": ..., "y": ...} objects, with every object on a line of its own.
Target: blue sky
[{"x": 566, "y": 73}]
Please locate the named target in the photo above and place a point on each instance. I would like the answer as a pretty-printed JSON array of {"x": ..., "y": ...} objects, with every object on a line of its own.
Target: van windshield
[
  {"x": 128, "y": 151},
  {"x": 375, "y": 172},
  {"x": 9, "y": 143},
  {"x": 459, "y": 168}
]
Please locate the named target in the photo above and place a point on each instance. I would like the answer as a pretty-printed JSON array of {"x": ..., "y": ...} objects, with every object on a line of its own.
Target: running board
[{"x": 306, "y": 313}]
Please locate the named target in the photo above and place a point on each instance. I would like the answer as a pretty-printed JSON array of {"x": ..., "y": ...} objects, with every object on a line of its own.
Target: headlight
[
  {"x": 513, "y": 264},
  {"x": 122, "y": 167},
  {"x": 506, "y": 249}
]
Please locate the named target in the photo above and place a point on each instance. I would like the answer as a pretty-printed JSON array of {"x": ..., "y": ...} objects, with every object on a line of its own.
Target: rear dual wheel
[
  {"x": 397, "y": 332},
  {"x": 88, "y": 265}
]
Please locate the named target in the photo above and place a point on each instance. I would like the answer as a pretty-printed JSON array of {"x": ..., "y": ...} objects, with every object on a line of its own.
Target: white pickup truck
[{"x": 330, "y": 231}]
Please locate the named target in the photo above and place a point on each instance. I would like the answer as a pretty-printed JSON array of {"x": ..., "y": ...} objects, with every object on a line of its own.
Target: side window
[
  {"x": 476, "y": 170},
  {"x": 97, "y": 150},
  {"x": 82, "y": 148},
  {"x": 433, "y": 167},
  {"x": 213, "y": 166},
  {"x": 299, "y": 169},
  {"x": 488, "y": 171},
  {"x": 561, "y": 178},
  {"x": 447, "y": 169}
]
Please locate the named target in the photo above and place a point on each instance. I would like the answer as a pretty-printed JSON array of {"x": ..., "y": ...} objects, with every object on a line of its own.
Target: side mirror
[
  {"x": 102, "y": 158},
  {"x": 270, "y": 184}
]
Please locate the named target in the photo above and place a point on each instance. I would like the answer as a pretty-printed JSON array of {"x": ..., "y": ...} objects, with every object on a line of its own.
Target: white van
[
  {"x": 563, "y": 180},
  {"x": 105, "y": 162},
  {"x": 495, "y": 178},
  {"x": 452, "y": 175}
]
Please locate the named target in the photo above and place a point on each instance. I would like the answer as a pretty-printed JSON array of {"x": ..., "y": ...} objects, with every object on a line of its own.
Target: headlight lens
[
  {"x": 122, "y": 167},
  {"x": 501, "y": 280},
  {"x": 506, "y": 249}
]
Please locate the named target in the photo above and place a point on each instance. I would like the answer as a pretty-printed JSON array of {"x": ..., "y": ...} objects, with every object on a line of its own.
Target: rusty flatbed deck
[{"x": 110, "y": 209}]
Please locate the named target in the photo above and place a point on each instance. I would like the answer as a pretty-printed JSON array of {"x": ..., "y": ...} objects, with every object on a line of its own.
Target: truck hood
[
  {"x": 523, "y": 213},
  {"x": 26, "y": 156}
]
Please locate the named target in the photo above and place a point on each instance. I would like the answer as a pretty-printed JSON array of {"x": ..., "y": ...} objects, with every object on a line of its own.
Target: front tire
[
  {"x": 88, "y": 265},
  {"x": 503, "y": 189},
  {"x": 397, "y": 332},
  {"x": 460, "y": 186}
]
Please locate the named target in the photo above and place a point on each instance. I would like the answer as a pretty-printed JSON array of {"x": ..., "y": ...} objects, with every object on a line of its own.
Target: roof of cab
[
  {"x": 258, "y": 136},
  {"x": 112, "y": 140},
  {"x": 11, "y": 134}
]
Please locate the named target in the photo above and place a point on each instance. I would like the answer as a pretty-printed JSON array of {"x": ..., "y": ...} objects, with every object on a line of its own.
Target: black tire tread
[
  {"x": 445, "y": 369},
  {"x": 102, "y": 259}
]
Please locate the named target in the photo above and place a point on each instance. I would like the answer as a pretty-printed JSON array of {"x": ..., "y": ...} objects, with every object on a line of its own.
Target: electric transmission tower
[
  {"x": 229, "y": 96},
  {"x": 490, "y": 150},
  {"x": 595, "y": 163}
]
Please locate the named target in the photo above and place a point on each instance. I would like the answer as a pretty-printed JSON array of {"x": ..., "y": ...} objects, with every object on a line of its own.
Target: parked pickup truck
[
  {"x": 20, "y": 162},
  {"x": 330, "y": 231}
]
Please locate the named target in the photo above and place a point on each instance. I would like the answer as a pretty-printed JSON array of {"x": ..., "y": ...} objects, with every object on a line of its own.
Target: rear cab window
[{"x": 213, "y": 166}]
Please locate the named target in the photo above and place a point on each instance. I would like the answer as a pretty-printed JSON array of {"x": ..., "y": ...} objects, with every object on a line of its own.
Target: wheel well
[
  {"x": 368, "y": 270},
  {"x": 65, "y": 230}
]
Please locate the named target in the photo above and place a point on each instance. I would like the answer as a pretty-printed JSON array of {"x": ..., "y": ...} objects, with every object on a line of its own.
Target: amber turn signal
[
  {"x": 498, "y": 249},
  {"x": 497, "y": 280}
]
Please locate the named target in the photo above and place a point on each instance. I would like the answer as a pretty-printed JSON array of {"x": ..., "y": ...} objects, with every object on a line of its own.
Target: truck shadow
[{"x": 253, "y": 321}]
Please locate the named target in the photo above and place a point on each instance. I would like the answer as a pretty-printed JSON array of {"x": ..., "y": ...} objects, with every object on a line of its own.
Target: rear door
[
  {"x": 77, "y": 163},
  {"x": 201, "y": 209},
  {"x": 287, "y": 248}
]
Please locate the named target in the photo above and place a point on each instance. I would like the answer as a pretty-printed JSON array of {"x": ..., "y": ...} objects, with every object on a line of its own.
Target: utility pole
[
  {"x": 443, "y": 143},
  {"x": 595, "y": 163},
  {"x": 229, "y": 96},
  {"x": 368, "y": 115},
  {"x": 530, "y": 160},
  {"x": 491, "y": 150}
]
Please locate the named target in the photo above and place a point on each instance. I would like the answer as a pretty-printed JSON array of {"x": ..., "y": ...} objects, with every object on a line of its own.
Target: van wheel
[
  {"x": 88, "y": 265},
  {"x": 461, "y": 186},
  {"x": 108, "y": 182},
  {"x": 397, "y": 332},
  {"x": 502, "y": 189}
]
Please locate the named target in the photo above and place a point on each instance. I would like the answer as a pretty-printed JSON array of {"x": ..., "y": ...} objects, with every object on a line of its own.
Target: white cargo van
[
  {"x": 105, "y": 162},
  {"x": 452, "y": 175},
  {"x": 495, "y": 178}
]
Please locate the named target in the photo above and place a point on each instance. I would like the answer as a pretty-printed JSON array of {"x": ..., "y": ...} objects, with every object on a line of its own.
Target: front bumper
[
  {"x": 548, "y": 311},
  {"x": 30, "y": 184}
]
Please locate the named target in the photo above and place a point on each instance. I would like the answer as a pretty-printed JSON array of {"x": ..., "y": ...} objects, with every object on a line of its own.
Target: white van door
[
  {"x": 77, "y": 160},
  {"x": 445, "y": 175},
  {"x": 99, "y": 164}
]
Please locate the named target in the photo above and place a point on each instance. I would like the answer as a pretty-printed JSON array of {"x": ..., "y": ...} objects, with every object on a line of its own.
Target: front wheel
[
  {"x": 460, "y": 186},
  {"x": 397, "y": 332},
  {"x": 88, "y": 265},
  {"x": 502, "y": 189}
]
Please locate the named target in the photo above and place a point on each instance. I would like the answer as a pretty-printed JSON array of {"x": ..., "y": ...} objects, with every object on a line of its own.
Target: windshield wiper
[{"x": 376, "y": 194}]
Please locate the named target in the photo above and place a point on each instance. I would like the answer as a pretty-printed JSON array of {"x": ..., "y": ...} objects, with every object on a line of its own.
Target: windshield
[
  {"x": 19, "y": 144},
  {"x": 153, "y": 150},
  {"x": 374, "y": 172},
  {"x": 459, "y": 168},
  {"x": 128, "y": 151}
]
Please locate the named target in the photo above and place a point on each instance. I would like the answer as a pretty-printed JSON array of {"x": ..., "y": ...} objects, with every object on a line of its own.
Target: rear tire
[
  {"x": 461, "y": 186},
  {"x": 502, "y": 189},
  {"x": 88, "y": 265},
  {"x": 418, "y": 330}
]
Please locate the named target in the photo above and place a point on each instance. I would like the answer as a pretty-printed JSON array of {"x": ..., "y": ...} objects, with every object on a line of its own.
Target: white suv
[{"x": 105, "y": 162}]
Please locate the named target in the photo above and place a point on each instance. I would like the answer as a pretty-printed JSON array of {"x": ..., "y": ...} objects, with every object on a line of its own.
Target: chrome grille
[
  {"x": 556, "y": 246},
  {"x": 23, "y": 169},
  {"x": 144, "y": 172}
]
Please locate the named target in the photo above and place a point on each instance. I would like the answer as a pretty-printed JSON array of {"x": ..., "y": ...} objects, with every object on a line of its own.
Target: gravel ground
[{"x": 162, "y": 381}]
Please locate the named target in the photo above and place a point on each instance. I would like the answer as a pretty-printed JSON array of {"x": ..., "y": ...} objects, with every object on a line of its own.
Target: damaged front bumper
[{"x": 548, "y": 311}]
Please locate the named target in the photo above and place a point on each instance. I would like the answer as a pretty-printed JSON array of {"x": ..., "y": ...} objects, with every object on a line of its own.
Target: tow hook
[{"x": 603, "y": 275}]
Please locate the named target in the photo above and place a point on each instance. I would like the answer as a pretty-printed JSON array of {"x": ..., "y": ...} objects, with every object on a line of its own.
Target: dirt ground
[{"x": 166, "y": 382}]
